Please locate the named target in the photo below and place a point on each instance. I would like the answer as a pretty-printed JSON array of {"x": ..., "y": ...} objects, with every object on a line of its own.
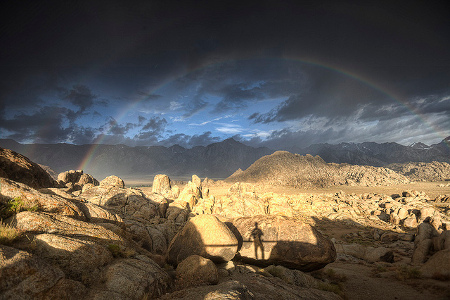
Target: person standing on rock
[{"x": 256, "y": 234}]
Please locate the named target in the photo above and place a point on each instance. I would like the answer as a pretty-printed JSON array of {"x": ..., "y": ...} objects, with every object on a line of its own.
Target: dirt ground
[{"x": 363, "y": 283}]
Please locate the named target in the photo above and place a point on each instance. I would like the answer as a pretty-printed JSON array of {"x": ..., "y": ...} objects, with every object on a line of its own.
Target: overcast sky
[{"x": 268, "y": 73}]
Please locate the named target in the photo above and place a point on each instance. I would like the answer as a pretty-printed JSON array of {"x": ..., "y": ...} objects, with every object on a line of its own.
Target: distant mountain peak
[
  {"x": 231, "y": 141},
  {"x": 419, "y": 146}
]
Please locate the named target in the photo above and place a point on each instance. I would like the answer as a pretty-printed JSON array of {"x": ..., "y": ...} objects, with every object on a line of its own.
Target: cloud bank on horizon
[{"x": 272, "y": 74}]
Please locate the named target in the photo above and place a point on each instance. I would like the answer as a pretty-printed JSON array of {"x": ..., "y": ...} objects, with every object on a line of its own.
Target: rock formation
[
  {"x": 111, "y": 241},
  {"x": 19, "y": 168},
  {"x": 285, "y": 242},
  {"x": 206, "y": 236}
]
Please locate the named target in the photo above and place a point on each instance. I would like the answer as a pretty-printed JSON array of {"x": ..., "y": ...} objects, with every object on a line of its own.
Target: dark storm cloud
[
  {"x": 128, "y": 41},
  {"x": 239, "y": 83},
  {"x": 125, "y": 47},
  {"x": 80, "y": 96},
  {"x": 155, "y": 125},
  {"x": 427, "y": 105},
  {"x": 46, "y": 125},
  {"x": 235, "y": 96},
  {"x": 325, "y": 94},
  {"x": 114, "y": 128},
  {"x": 151, "y": 132},
  {"x": 401, "y": 130},
  {"x": 141, "y": 120}
]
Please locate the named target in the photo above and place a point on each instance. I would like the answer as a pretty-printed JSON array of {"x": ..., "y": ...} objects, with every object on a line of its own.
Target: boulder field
[{"x": 80, "y": 238}]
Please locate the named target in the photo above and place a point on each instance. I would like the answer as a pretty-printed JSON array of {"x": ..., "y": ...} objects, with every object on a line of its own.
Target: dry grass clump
[
  {"x": 406, "y": 272},
  {"x": 330, "y": 281},
  {"x": 120, "y": 251},
  {"x": 8, "y": 234}
]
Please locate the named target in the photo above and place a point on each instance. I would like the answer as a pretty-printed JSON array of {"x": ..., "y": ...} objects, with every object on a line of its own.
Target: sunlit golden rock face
[{"x": 203, "y": 235}]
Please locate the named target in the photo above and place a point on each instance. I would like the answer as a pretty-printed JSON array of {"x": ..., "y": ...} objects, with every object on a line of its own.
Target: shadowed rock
[
  {"x": 285, "y": 241},
  {"x": 79, "y": 259},
  {"x": 438, "y": 265},
  {"x": 76, "y": 179},
  {"x": 195, "y": 270},
  {"x": 19, "y": 168},
  {"x": 25, "y": 276},
  {"x": 132, "y": 279}
]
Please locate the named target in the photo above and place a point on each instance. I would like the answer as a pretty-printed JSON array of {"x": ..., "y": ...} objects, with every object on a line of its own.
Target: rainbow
[{"x": 90, "y": 154}]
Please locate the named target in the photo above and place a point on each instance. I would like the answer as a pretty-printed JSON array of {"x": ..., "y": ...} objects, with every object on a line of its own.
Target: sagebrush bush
[{"x": 8, "y": 234}]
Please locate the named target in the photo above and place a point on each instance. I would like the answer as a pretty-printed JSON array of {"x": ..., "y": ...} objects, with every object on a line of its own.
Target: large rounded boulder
[
  {"x": 203, "y": 235},
  {"x": 284, "y": 241}
]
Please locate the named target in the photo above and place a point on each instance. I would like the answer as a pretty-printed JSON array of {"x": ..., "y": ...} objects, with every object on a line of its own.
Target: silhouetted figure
[{"x": 256, "y": 234}]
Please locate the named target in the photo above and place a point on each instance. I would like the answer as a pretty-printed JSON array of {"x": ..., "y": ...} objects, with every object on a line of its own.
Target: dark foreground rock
[
  {"x": 251, "y": 286},
  {"x": 285, "y": 242},
  {"x": 19, "y": 168}
]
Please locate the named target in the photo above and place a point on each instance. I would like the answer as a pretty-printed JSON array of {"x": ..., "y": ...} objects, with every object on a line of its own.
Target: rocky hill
[
  {"x": 374, "y": 154},
  {"x": 217, "y": 160},
  {"x": 284, "y": 168},
  {"x": 434, "y": 171}
]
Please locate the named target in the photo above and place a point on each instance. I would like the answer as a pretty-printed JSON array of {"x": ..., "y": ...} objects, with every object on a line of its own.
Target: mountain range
[
  {"x": 378, "y": 155},
  {"x": 217, "y": 160}
]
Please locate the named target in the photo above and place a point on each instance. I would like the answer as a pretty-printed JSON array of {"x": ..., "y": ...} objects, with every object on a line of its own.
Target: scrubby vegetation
[
  {"x": 8, "y": 234},
  {"x": 15, "y": 206}
]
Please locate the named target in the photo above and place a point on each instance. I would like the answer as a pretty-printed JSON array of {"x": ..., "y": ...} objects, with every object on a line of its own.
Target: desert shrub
[
  {"x": 331, "y": 287},
  {"x": 8, "y": 234},
  {"x": 120, "y": 252},
  {"x": 15, "y": 206},
  {"x": 379, "y": 268},
  {"x": 406, "y": 272},
  {"x": 330, "y": 281},
  {"x": 329, "y": 275}
]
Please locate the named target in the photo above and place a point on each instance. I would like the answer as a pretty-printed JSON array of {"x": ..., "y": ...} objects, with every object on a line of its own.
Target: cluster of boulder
[{"x": 80, "y": 238}]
